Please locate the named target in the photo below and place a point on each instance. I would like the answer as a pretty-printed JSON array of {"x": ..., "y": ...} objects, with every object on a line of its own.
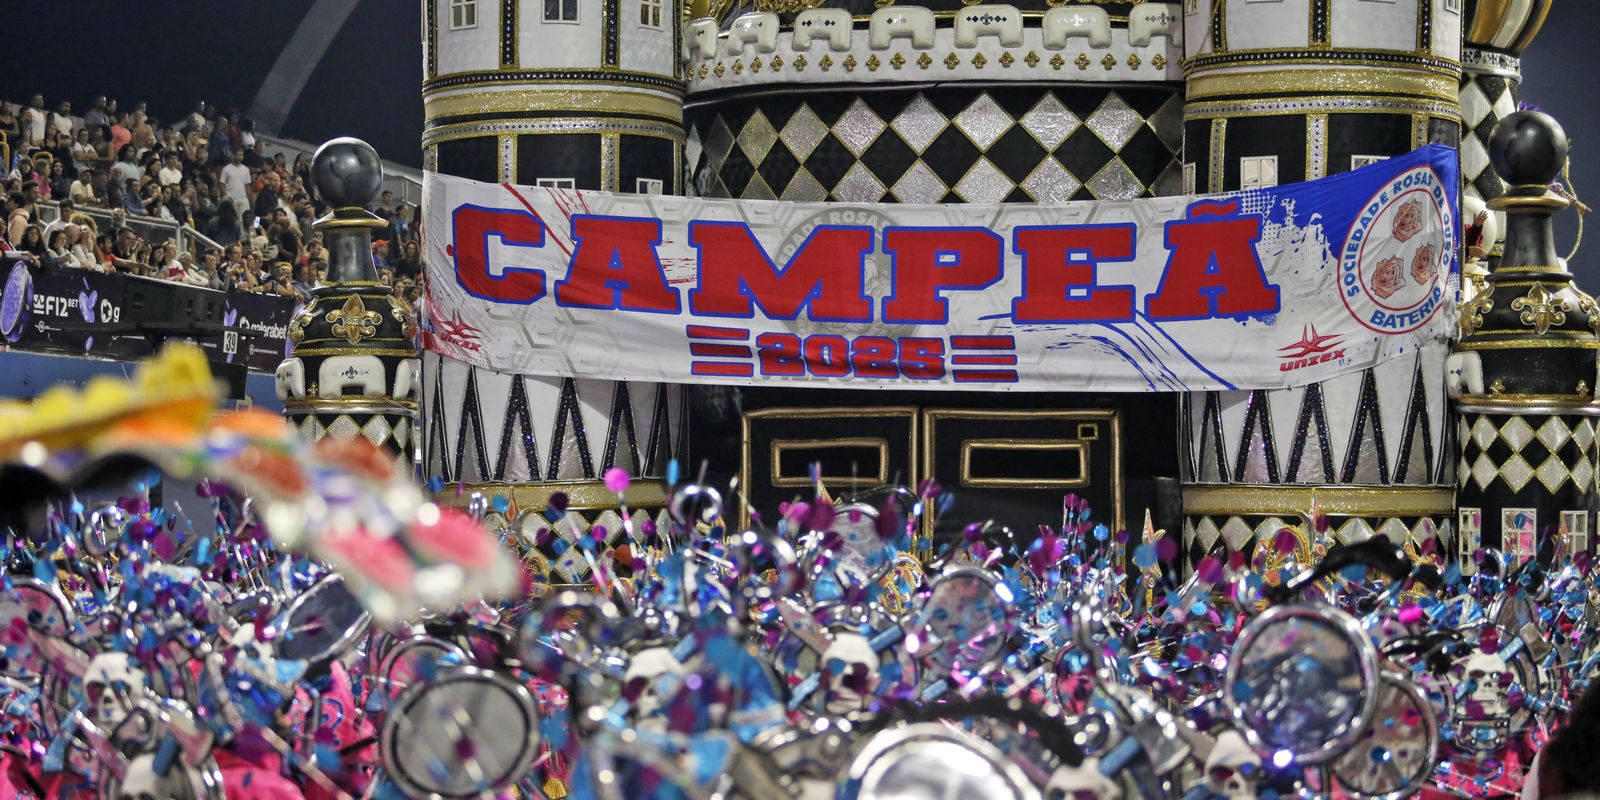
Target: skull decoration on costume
[
  {"x": 850, "y": 668},
  {"x": 1485, "y": 721},
  {"x": 644, "y": 684},
  {"x": 113, "y": 685},
  {"x": 1083, "y": 782},
  {"x": 143, "y": 782},
  {"x": 1233, "y": 767}
]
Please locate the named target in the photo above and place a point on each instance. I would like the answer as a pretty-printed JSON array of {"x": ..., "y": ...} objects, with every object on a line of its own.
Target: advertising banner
[
  {"x": 88, "y": 313},
  {"x": 1259, "y": 289}
]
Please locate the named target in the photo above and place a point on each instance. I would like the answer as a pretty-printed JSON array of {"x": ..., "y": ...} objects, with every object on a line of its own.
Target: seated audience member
[
  {"x": 64, "y": 214},
  {"x": 81, "y": 242},
  {"x": 283, "y": 281},
  {"x": 33, "y": 243},
  {"x": 60, "y": 255},
  {"x": 211, "y": 263},
  {"x": 105, "y": 252},
  {"x": 194, "y": 274},
  {"x": 82, "y": 189}
]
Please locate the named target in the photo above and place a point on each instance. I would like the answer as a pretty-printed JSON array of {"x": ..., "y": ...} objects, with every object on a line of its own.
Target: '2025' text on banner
[{"x": 1257, "y": 289}]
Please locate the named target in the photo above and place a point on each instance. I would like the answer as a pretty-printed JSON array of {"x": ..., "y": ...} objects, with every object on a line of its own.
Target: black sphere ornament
[
  {"x": 1528, "y": 148},
  {"x": 347, "y": 173}
]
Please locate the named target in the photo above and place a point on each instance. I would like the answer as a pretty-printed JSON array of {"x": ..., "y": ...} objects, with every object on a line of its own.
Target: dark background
[{"x": 171, "y": 53}]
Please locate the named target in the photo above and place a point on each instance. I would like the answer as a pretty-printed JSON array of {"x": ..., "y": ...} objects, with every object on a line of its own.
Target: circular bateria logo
[{"x": 1395, "y": 265}]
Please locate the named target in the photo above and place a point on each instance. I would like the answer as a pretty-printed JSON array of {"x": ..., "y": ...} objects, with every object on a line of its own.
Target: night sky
[{"x": 171, "y": 53}]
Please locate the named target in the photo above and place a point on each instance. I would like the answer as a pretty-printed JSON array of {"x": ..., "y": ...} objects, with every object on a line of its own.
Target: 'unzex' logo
[
  {"x": 1311, "y": 350},
  {"x": 1395, "y": 265}
]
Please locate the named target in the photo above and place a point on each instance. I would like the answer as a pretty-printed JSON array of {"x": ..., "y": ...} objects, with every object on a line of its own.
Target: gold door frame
[{"x": 931, "y": 416}]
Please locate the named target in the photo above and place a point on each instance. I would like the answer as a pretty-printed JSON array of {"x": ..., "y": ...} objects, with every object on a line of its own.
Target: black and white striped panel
[
  {"x": 1385, "y": 426},
  {"x": 483, "y": 426}
]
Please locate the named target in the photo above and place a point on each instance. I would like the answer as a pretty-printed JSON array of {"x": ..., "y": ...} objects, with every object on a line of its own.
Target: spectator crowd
[{"x": 113, "y": 166}]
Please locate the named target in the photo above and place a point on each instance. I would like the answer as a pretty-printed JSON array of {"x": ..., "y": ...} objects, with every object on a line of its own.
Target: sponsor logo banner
[
  {"x": 1258, "y": 289},
  {"x": 74, "y": 311}
]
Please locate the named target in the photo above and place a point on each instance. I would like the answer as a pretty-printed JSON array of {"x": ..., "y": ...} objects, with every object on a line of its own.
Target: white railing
[{"x": 150, "y": 229}]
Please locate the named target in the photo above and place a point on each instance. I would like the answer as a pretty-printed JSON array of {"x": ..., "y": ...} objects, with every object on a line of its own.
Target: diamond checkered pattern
[
  {"x": 1485, "y": 100},
  {"x": 945, "y": 145},
  {"x": 1201, "y": 534},
  {"x": 1519, "y": 453}
]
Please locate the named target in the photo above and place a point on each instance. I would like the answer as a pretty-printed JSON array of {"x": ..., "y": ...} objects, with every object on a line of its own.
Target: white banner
[{"x": 1259, "y": 289}]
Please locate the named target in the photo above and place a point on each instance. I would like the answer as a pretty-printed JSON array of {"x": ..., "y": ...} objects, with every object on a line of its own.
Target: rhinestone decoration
[
  {"x": 1516, "y": 472},
  {"x": 984, "y": 183},
  {"x": 1517, "y": 433},
  {"x": 920, "y": 185},
  {"x": 719, "y": 140},
  {"x": 804, "y": 188},
  {"x": 1483, "y": 433},
  {"x": 757, "y": 137},
  {"x": 1051, "y": 183},
  {"x": 859, "y": 127},
  {"x": 757, "y": 189},
  {"x": 1236, "y": 532},
  {"x": 1114, "y": 121},
  {"x": 376, "y": 430},
  {"x": 924, "y": 61},
  {"x": 344, "y": 428},
  {"x": 1115, "y": 182},
  {"x": 1554, "y": 433},
  {"x": 1206, "y": 533},
  {"x": 1051, "y": 123},
  {"x": 1552, "y": 473},
  {"x": 1483, "y": 471},
  {"x": 984, "y": 121},
  {"x": 508, "y": 157},
  {"x": 1583, "y": 434},
  {"x": 1582, "y": 473},
  {"x": 821, "y": 141},
  {"x": 802, "y": 133},
  {"x": 1394, "y": 530},
  {"x": 859, "y": 185},
  {"x": 919, "y": 123}
]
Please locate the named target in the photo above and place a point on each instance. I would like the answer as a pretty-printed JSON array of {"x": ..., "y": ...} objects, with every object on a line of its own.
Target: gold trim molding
[
  {"x": 1112, "y": 419},
  {"x": 632, "y": 101},
  {"x": 1332, "y": 80},
  {"x": 333, "y": 405},
  {"x": 1290, "y": 501},
  {"x": 581, "y": 495},
  {"x": 1074, "y": 446},
  {"x": 781, "y": 445}
]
